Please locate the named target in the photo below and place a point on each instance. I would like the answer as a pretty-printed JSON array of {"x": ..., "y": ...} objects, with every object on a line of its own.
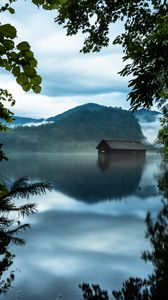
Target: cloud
[
  {"x": 32, "y": 105},
  {"x": 83, "y": 75},
  {"x": 70, "y": 78}
]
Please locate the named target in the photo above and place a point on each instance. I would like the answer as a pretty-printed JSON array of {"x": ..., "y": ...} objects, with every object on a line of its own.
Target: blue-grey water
[{"x": 90, "y": 228}]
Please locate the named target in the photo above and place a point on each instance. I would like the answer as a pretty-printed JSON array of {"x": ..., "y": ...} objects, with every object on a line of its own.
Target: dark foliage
[
  {"x": 11, "y": 227},
  {"x": 93, "y": 292},
  {"x": 163, "y": 132}
]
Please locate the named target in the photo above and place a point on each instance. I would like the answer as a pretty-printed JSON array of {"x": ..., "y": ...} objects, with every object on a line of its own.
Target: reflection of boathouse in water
[
  {"x": 123, "y": 147},
  {"x": 83, "y": 177}
]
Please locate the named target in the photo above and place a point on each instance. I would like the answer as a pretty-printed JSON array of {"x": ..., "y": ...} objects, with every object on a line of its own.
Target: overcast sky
[{"x": 70, "y": 78}]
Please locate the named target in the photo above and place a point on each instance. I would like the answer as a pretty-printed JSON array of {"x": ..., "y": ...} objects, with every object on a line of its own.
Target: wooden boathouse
[{"x": 125, "y": 147}]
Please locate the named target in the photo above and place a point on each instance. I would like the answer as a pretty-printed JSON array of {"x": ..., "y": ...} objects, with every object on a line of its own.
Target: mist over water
[{"x": 89, "y": 229}]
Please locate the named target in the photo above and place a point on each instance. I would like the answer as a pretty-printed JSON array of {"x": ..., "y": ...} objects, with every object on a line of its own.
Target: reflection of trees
[
  {"x": 83, "y": 177},
  {"x": 11, "y": 227},
  {"x": 2, "y": 154},
  {"x": 162, "y": 179},
  {"x": 155, "y": 287}
]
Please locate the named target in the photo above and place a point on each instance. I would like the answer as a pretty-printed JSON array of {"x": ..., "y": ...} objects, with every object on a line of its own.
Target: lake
[{"x": 90, "y": 228}]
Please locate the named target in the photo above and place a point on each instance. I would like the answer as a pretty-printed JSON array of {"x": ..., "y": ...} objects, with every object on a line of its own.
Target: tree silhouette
[{"x": 11, "y": 227}]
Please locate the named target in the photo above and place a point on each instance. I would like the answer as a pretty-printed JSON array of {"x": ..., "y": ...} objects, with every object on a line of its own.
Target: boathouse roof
[{"x": 122, "y": 144}]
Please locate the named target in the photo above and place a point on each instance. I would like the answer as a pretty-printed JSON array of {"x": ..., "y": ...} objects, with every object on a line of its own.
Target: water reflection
[
  {"x": 75, "y": 241},
  {"x": 83, "y": 177},
  {"x": 162, "y": 179},
  {"x": 122, "y": 175},
  {"x": 127, "y": 160},
  {"x": 155, "y": 286}
]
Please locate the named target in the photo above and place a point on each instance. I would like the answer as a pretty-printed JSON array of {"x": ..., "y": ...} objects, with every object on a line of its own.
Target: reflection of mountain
[{"x": 80, "y": 176}]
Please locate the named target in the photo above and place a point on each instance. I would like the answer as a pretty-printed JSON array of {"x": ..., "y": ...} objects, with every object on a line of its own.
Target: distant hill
[
  {"x": 89, "y": 107},
  {"x": 21, "y": 121},
  {"x": 142, "y": 115},
  {"x": 79, "y": 129},
  {"x": 25, "y": 121},
  {"x": 145, "y": 115},
  {"x": 18, "y": 121}
]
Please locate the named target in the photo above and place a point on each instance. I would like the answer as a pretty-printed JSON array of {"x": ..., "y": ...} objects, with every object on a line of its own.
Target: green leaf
[
  {"x": 29, "y": 55},
  {"x": 36, "y": 80},
  {"x": 9, "y": 44},
  {"x": 3, "y": 62},
  {"x": 16, "y": 71},
  {"x": 11, "y": 10},
  {"x": 38, "y": 2},
  {"x": 8, "y": 31},
  {"x": 30, "y": 72},
  {"x": 23, "y": 62},
  {"x": 33, "y": 63},
  {"x": 23, "y": 46},
  {"x": 36, "y": 89},
  {"x": 2, "y": 50},
  {"x": 26, "y": 87},
  {"x": 8, "y": 67},
  {"x": 14, "y": 56},
  {"x": 22, "y": 79},
  {"x": 3, "y": 190},
  {"x": 52, "y": 2}
]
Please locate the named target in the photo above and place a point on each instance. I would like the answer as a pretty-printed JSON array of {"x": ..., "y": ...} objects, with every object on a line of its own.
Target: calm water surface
[{"x": 89, "y": 229}]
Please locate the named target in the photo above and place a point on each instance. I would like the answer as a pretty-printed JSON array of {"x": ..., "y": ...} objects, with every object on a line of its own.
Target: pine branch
[
  {"x": 23, "y": 210},
  {"x": 21, "y": 189},
  {"x": 18, "y": 229},
  {"x": 18, "y": 241},
  {"x": 6, "y": 204}
]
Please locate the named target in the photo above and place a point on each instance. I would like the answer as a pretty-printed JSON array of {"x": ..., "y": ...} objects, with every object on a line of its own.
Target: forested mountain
[
  {"x": 20, "y": 121},
  {"x": 24, "y": 120},
  {"x": 82, "y": 108},
  {"x": 79, "y": 129},
  {"x": 142, "y": 115}
]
